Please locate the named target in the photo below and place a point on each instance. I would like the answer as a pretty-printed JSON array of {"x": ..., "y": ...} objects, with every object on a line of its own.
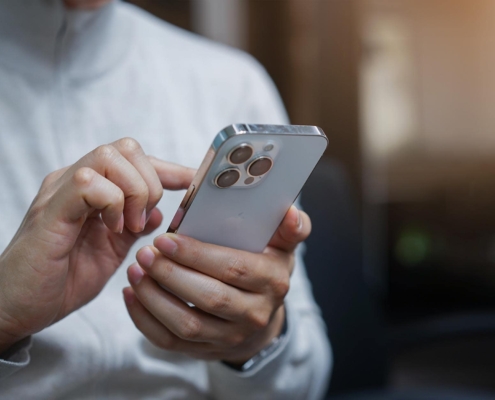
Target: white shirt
[{"x": 73, "y": 80}]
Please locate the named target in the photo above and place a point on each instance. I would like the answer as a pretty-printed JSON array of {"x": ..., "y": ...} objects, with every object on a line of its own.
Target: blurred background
[{"x": 402, "y": 257}]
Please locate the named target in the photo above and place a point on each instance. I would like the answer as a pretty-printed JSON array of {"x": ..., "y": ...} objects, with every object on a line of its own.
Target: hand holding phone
[{"x": 238, "y": 294}]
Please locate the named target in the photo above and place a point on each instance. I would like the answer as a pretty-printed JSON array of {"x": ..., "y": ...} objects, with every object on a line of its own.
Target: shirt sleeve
[
  {"x": 14, "y": 359},
  {"x": 300, "y": 367}
]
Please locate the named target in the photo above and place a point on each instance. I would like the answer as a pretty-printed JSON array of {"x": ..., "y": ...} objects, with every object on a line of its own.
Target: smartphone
[{"x": 247, "y": 182}]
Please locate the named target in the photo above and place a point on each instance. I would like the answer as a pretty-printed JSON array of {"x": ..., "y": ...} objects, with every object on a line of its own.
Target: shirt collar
[{"x": 40, "y": 37}]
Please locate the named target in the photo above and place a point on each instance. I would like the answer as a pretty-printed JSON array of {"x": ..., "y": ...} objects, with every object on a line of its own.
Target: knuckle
[
  {"x": 155, "y": 194},
  {"x": 196, "y": 253},
  {"x": 83, "y": 177},
  {"x": 49, "y": 179},
  {"x": 129, "y": 144},
  {"x": 190, "y": 329},
  {"x": 105, "y": 152},
  {"x": 280, "y": 285},
  {"x": 119, "y": 197},
  {"x": 236, "y": 269},
  {"x": 218, "y": 300},
  {"x": 259, "y": 319},
  {"x": 140, "y": 190},
  {"x": 235, "y": 340}
]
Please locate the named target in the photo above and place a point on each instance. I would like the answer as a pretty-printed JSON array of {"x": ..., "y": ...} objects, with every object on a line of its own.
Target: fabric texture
[{"x": 73, "y": 80}]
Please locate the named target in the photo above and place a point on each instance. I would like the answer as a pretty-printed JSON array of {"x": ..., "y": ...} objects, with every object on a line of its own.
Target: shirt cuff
[{"x": 15, "y": 358}]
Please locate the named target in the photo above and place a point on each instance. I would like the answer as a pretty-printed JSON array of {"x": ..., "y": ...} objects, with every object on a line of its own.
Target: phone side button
[
  {"x": 174, "y": 225},
  {"x": 187, "y": 197}
]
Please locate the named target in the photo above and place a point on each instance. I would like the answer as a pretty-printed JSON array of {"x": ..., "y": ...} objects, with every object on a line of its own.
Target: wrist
[
  {"x": 275, "y": 329},
  {"x": 14, "y": 325},
  {"x": 7, "y": 338}
]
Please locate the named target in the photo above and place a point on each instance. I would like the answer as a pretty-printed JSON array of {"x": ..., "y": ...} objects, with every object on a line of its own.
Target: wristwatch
[{"x": 263, "y": 354}]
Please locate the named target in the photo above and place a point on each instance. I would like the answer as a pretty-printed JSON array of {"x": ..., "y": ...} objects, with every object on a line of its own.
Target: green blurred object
[{"x": 413, "y": 246}]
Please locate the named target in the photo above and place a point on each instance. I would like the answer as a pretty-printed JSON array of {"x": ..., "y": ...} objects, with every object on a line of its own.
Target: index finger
[
  {"x": 172, "y": 176},
  {"x": 107, "y": 161}
]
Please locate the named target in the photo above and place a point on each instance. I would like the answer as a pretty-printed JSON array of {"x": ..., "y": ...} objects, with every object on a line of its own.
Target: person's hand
[
  {"x": 238, "y": 296},
  {"x": 77, "y": 232}
]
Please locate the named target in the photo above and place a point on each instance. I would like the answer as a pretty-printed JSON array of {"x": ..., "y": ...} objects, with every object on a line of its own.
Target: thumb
[{"x": 294, "y": 229}]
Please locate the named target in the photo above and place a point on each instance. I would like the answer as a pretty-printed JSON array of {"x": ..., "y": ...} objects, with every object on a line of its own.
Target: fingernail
[
  {"x": 143, "y": 220},
  {"x": 135, "y": 274},
  {"x": 120, "y": 226},
  {"x": 128, "y": 296},
  {"x": 145, "y": 257},
  {"x": 166, "y": 245},
  {"x": 299, "y": 220},
  {"x": 148, "y": 216}
]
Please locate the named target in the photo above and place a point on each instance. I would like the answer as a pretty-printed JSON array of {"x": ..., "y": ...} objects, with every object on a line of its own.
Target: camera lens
[
  {"x": 241, "y": 154},
  {"x": 227, "y": 178},
  {"x": 260, "y": 166}
]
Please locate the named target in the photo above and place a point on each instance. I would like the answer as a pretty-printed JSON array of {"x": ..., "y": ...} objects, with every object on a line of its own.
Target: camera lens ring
[
  {"x": 260, "y": 169},
  {"x": 238, "y": 154},
  {"x": 227, "y": 178}
]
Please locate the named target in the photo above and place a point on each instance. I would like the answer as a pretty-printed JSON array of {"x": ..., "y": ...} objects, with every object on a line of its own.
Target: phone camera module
[
  {"x": 260, "y": 166},
  {"x": 227, "y": 178},
  {"x": 241, "y": 154}
]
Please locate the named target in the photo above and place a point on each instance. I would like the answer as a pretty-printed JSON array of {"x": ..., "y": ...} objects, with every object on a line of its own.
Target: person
[{"x": 90, "y": 89}]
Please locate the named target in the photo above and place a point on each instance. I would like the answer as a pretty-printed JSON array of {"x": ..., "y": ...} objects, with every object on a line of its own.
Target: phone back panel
[{"x": 245, "y": 217}]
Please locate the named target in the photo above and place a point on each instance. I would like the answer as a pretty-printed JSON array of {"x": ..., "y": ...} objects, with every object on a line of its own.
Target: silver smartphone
[{"x": 247, "y": 182}]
